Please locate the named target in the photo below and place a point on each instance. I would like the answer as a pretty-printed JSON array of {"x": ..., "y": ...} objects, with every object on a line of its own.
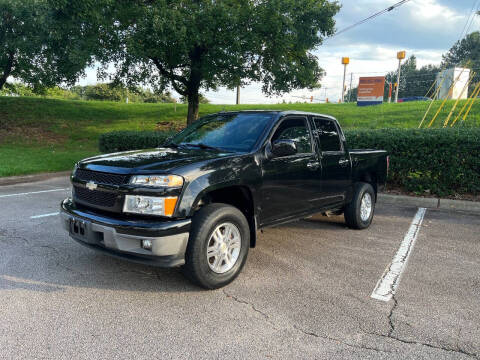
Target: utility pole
[
  {"x": 350, "y": 90},
  {"x": 238, "y": 95},
  {"x": 400, "y": 57},
  {"x": 345, "y": 61}
]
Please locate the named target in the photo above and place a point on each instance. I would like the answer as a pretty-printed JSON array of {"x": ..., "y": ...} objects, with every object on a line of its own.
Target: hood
[{"x": 160, "y": 159}]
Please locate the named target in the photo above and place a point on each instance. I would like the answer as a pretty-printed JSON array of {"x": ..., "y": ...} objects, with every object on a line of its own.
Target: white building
[{"x": 458, "y": 77}]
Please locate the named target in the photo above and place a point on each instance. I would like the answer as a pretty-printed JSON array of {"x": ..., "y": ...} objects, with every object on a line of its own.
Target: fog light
[{"x": 147, "y": 244}]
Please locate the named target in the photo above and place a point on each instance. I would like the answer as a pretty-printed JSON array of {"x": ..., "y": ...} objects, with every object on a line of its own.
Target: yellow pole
[
  {"x": 458, "y": 99},
  {"x": 471, "y": 104},
  {"x": 431, "y": 102},
  {"x": 446, "y": 98},
  {"x": 466, "y": 103},
  {"x": 431, "y": 86}
]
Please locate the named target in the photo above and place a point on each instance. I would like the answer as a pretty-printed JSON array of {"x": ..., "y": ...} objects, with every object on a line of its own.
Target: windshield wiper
[
  {"x": 202, "y": 146},
  {"x": 171, "y": 145}
]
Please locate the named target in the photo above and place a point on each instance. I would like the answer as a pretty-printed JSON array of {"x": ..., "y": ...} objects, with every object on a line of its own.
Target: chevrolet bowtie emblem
[{"x": 91, "y": 185}]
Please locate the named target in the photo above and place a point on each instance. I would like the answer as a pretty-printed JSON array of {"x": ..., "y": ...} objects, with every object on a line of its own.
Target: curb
[
  {"x": 12, "y": 180},
  {"x": 431, "y": 203}
]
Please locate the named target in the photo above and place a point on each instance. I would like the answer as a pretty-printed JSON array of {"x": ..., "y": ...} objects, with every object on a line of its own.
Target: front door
[
  {"x": 336, "y": 174},
  {"x": 290, "y": 182}
]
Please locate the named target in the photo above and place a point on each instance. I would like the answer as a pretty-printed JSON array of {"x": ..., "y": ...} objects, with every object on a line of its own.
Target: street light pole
[
  {"x": 350, "y": 90},
  {"x": 400, "y": 56},
  {"x": 345, "y": 61}
]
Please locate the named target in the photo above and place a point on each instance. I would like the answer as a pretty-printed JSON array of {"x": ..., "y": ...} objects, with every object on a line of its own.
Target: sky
[{"x": 424, "y": 28}]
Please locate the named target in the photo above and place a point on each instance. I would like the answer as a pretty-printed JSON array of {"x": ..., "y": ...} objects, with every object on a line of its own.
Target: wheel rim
[
  {"x": 223, "y": 248},
  {"x": 366, "y": 207}
]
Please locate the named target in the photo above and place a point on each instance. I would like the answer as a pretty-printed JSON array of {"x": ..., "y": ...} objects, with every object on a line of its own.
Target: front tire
[
  {"x": 359, "y": 212},
  {"x": 217, "y": 247}
]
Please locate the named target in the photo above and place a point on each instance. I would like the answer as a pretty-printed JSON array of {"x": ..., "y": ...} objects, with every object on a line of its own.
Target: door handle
[
  {"x": 313, "y": 165},
  {"x": 343, "y": 162}
]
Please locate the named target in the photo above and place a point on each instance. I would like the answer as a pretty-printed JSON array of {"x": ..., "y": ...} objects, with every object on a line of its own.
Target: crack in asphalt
[
  {"x": 296, "y": 327},
  {"x": 432, "y": 346},
  {"x": 7, "y": 236},
  {"x": 390, "y": 315},
  {"x": 252, "y": 306},
  {"x": 359, "y": 346},
  {"x": 391, "y": 330},
  {"x": 389, "y": 335}
]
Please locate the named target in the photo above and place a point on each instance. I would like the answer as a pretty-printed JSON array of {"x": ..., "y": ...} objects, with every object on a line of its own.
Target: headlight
[
  {"x": 149, "y": 205},
  {"x": 157, "y": 180}
]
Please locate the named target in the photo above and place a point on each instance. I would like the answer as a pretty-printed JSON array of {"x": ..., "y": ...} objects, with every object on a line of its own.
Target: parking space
[{"x": 305, "y": 292}]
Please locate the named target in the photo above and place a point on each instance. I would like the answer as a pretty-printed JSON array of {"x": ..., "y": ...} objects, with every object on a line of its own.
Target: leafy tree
[
  {"x": 41, "y": 45},
  {"x": 202, "y": 44},
  {"x": 465, "y": 52},
  {"x": 351, "y": 95},
  {"x": 118, "y": 92},
  {"x": 413, "y": 81},
  {"x": 16, "y": 89}
]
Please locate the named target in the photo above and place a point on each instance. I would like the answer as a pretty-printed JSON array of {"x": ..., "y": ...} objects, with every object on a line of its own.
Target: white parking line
[
  {"x": 388, "y": 283},
  {"x": 44, "y": 215},
  {"x": 33, "y": 192}
]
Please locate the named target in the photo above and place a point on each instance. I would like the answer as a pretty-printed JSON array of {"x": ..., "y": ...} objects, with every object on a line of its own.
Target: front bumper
[{"x": 122, "y": 238}]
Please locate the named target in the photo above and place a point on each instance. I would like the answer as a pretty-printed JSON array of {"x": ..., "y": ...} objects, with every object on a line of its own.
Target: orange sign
[{"x": 370, "y": 90}]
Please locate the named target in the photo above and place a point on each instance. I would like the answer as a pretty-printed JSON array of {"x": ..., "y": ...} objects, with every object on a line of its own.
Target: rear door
[{"x": 336, "y": 166}]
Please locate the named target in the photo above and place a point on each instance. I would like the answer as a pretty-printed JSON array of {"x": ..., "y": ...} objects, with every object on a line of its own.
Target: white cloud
[{"x": 431, "y": 10}]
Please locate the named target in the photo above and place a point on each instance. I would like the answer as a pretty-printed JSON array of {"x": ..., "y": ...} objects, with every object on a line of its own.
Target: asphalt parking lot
[{"x": 305, "y": 292}]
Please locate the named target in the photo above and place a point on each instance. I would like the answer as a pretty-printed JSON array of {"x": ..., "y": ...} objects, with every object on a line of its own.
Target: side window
[
  {"x": 328, "y": 135},
  {"x": 296, "y": 130}
]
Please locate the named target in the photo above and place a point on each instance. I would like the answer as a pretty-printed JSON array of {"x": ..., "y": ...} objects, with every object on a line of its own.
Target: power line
[
  {"x": 470, "y": 19},
  {"x": 388, "y": 9}
]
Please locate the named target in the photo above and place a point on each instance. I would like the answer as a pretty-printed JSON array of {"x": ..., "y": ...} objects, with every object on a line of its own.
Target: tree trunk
[
  {"x": 193, "y": 104},
  {"x": 7, "y": 70}
]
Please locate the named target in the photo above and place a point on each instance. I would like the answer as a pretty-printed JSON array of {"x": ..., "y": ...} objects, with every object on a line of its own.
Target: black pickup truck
[{"x": 199, "y": 201}]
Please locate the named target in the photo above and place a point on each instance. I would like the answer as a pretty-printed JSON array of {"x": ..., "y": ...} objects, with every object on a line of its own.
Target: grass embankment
[{"x": 40, "y": 135}]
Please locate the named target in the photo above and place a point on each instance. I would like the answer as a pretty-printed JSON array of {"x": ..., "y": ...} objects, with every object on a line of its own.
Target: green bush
[
  {"x": 132, "y": 140},
  {"x": 441, "y": 161}
]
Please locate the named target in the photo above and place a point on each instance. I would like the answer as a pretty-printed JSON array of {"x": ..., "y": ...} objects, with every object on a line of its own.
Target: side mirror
[{"x": 284, "y": 148}]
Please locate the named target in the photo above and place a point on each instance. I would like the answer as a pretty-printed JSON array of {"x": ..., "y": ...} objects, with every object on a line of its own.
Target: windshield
[{"x": 231, "y": 132}]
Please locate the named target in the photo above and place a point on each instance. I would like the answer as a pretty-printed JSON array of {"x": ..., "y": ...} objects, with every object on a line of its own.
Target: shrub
[
  {"x": 132, "y": 140},
  {"x": 442, "y": 161}
]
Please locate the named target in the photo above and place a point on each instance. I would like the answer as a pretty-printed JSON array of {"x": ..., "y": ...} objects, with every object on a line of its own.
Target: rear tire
[
  {"x": 359, "y": 212},
  {"x": 217, "y": 247}
]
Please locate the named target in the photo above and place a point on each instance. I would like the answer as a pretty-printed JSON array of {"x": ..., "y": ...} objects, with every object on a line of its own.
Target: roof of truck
[{"x": 279, "y": 112}]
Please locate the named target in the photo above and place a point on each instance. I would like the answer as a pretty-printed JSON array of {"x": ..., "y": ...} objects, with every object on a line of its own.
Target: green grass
[{"x": 42, "y": 135}]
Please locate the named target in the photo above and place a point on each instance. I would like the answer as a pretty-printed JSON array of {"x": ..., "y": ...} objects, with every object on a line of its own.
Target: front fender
[{"x": 241, "y": 171}]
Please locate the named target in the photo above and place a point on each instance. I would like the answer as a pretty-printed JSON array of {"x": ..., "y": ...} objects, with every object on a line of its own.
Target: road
[{"x": 304, "y": 293}]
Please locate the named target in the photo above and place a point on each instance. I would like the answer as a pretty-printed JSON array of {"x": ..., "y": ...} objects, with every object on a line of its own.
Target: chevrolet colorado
[{"x": 199, "y": 200}]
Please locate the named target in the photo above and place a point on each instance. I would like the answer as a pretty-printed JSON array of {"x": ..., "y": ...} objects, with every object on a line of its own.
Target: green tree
[
  {"x": 202, "y": 44},
  {"x": 465, "y": 52},
  {"x": 413, "y": 81},
  {"x": 41, "y": 44}
]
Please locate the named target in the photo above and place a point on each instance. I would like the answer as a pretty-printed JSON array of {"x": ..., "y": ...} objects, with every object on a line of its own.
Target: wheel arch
[
  {"x": 369, "y": 178},
  {"x": 239, "y": 196}
]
